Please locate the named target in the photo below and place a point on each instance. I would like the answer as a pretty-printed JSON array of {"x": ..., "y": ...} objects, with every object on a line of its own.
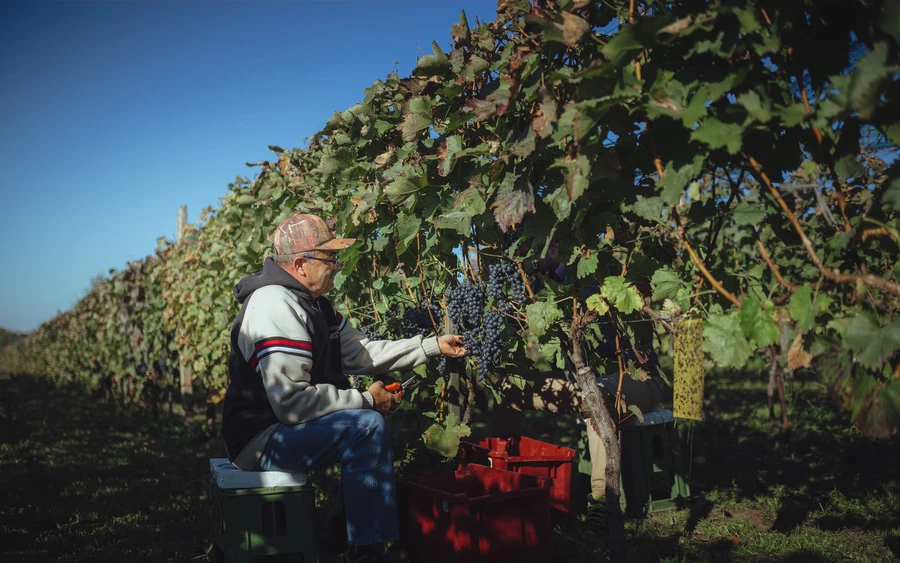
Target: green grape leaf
[
  {"x": 636, "y": 412},
  {"x": 758, "y": 108},
  {"x": 418, "y": 118},
  {"x": 793, "y": 114},
  {"x": 757, "y": 325},
  {"x": 870, "y": 71},
  {"x": 587, "y": 265},
  {"x": 401, "y": 188},
  {"x": 666, "y": 284},
  {"x": 748, "y": 214},
  {"x": 517, "y": 380},
  {"x": 447, "y": 153},
  {"x": 717, "y": 134},
  {"x": 406, "y": 229},
  {"x": 541, "y": 316},
  {"x": 621, "y": 294},
  {"x": 872, "y": 343},
  {"x": 430, "y": 65},
  {"x": 891, "y": 193},
  {"x": 801, "y": 308},
  {"x": 552, "y": 352},
  {"x": 444, "y": 438},
  {"x": 673, "y": 183},
  {"x": 596, "y": 303},
  {"x": 468, "y": 203},
  {"x": 649, "y": 208},
  {"x": 724, "y": 340}
]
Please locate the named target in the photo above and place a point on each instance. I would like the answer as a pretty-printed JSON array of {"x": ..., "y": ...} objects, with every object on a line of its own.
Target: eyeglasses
[
  {"x": 335, "y": 264},
  {"x": 329, "y": 260},
  {"x": 288, "y": 257}
]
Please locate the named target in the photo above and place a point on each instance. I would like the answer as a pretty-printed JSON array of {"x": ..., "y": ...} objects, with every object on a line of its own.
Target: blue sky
[{"x": 113, "y": 114}]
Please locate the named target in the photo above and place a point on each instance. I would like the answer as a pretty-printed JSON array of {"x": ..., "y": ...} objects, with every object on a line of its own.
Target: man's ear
[{"x": 299, "y": 265}]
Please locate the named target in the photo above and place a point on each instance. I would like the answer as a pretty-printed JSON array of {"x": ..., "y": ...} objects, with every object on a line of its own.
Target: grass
[{"x": 82, "y": 480}]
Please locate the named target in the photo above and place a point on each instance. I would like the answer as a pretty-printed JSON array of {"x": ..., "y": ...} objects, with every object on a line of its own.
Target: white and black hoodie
[{"x": 289, "y": 354}]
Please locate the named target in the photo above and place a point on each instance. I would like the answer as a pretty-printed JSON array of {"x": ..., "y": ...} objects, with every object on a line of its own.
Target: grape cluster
[
  {"x": 500, "y": 274},
  {"x": 482, "y": 331},
  {"x": 465, "y": 305},
  {"x": 483, "y": 342},
  {"x": 372, "y": 333},
  {"x": 418, "y": 321}
]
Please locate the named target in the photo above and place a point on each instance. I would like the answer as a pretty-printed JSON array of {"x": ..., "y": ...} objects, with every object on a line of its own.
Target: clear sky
[{"x": 115, "y": 113}]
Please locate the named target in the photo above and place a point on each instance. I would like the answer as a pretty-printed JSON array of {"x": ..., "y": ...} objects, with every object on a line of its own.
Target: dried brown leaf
[
  {"x": 509, "y": 209},
  {"x": 678, "y": 26},
  {"x": 573, "y": 28},
  {"x": 797, "y": 356},
  {"x": 382, "y": 159},
  {"x": 540, "y": 124}
]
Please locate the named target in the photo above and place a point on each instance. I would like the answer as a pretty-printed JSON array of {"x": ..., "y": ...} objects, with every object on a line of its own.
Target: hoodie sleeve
[
  {"x": 275, "y": 341},
  {"x": 363, "y": 356}
]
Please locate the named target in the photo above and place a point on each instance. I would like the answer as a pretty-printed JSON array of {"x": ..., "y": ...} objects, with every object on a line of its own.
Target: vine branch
[
  {"x": 838, "y": 187},
  {"x": 762, "y": 250},
  {"x": 658, "y": 317},
  {"x": 637, "y": 63},
  {"x": 700, "y": 266},
  {"x": 867, "y": 279}
]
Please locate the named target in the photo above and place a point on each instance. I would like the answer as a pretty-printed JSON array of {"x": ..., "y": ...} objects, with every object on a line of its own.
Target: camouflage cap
[{"x": 302, "y": 233}]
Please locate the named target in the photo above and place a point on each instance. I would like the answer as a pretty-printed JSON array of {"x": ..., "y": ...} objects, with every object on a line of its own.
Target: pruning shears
[{"x": 404, "y": 387}]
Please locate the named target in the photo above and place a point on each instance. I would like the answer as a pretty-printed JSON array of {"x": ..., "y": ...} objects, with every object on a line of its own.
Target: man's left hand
[{"x": 452, "y": 345}]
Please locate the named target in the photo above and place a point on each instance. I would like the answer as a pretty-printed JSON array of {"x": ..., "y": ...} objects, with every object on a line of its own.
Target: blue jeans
[{"x": 360, "y": 440}]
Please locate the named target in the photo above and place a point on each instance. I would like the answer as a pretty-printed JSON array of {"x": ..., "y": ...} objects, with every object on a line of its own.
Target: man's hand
[
  {"x": 385, "y": 401},
  {"x": 452, "y": 345}
]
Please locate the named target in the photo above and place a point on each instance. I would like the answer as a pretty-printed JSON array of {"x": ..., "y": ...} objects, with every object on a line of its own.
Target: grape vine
[{"x": 661, "y": 185}]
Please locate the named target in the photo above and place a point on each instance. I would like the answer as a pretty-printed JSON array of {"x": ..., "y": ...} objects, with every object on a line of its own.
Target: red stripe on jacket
[{"x": 269, "y": 342}]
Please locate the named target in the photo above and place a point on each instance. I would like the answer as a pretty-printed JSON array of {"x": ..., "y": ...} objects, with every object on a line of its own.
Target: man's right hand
[{"x": 385, "y": 401}]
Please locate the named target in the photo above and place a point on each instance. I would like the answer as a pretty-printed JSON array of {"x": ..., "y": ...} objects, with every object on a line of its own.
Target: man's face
[{"x": 320, "y": 272}]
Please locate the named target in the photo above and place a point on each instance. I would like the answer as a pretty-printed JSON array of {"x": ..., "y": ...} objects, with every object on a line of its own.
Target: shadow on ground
[
  {"x": 83, "y": 482},
  {"x": 737, "y": 450}
]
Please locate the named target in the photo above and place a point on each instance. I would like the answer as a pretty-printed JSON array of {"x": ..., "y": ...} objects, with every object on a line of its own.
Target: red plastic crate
[
  {"x": 475, "y": 514},
  {"x": 521, "y": 454}
]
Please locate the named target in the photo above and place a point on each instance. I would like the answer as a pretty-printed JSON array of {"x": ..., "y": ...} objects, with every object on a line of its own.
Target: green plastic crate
[
  {"x": 652, "y": 477},
  {"x": 266, "y": 524},
  {"x": 652, "y": 469}
]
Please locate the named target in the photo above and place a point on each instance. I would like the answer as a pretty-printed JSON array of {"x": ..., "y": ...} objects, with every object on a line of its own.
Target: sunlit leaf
[
  {"x": 724, "y": 340},
  {"x": 621, "y": 294}
]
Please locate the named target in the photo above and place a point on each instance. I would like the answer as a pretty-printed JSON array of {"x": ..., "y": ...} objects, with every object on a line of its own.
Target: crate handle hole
[{"x": 274, "y": 519}]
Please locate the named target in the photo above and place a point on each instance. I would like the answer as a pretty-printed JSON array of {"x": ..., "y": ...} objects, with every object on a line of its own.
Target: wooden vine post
[
  {"x": 603, "y": 424},
  {"x": 455, "y": 367},
  {"x": 184, "y": 369}
]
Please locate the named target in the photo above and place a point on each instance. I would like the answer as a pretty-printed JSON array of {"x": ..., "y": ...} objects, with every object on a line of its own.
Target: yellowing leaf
[
  {"x": 621, "y": 294},
  {"x": 597, "y": 303},
  {"x": 573, "y": 28},
  {"x": 797, "y": 356}
]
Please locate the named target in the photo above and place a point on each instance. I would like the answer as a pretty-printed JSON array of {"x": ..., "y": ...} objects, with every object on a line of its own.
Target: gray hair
[{"x": 291, "y": 257}]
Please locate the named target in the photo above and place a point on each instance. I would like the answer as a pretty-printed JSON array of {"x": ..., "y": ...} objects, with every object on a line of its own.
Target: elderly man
[{"x": 290, "y": 405}]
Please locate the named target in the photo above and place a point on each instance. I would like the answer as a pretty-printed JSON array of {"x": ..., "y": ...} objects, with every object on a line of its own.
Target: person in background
[
  {"x": 290, "y": 406},
  {"x": 556, "y": 391}
]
